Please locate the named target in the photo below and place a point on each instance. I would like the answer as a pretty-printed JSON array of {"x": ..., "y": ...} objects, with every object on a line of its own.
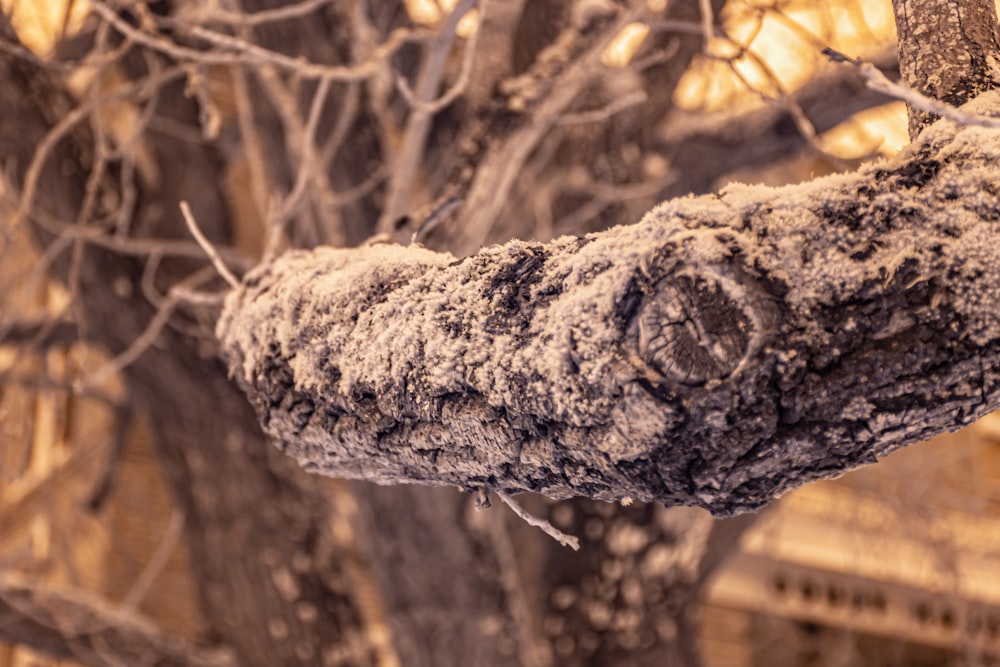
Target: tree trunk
[
  {"x": 948, "y": 50},
  {"x": 271, "y": 584},
  {"x": 720, "y": 352}
]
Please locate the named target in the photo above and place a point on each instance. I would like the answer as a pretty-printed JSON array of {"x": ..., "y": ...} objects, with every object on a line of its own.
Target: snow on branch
[{"x": 718, "y": 353}]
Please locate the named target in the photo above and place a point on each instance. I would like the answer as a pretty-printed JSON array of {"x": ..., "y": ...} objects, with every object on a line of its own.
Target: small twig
[
  {"x": 128, "y": 245},
  {"x": 209, "y": 249},
  {"x": 878, "y": 82},
  {"x": 500, "y": 165},
  {"x": 546, "y": 527},
  {"x": 121, "y": 425},
  {"x": 605, "y": 112},
  {"x": 138, "y": 91},
  {"x": 253, "y": 145},
  {"x": 166, "y": 548},
  {"x": 434, "y": 106},
  {"x": 307, "y": 152},
  {"x": 178, "y": 294},
  {"x": 707, "y": 23},
  {"x": 406, "y": 163},
  {"x": 235, "y": 51},
  {"x": 239, "y": 19},
  {"x": 431, "y": 217}
]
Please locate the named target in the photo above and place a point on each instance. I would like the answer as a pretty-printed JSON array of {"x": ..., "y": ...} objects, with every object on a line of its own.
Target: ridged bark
[
  {"x": 948, "y": 50},
  {"x": 721, "y": 351}
]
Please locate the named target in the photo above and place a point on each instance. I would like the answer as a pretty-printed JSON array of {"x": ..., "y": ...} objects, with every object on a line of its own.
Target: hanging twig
[
  {"x": 878, "y": 82},
  {"x": 209, "y": 249},
  {"x": 546, "y": 527}
]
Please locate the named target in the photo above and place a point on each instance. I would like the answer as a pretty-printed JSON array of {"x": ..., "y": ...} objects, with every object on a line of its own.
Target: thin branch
[
  {"x": 211, "y": 14},
  {"x": 40, "y": 333},
  {"x": 253, "y": 146},
  {"x": 305, "y": 173},
  {"x": 141, "y": 247},
  {"x": 76, "y": 625},
  {"x": 209, "y": 249},
  {"x": 605, "y": 112},
  {"x": 121, "y": 425},
  {"x": 245, "y": 53},
  {"x": 460, "y": 85},
  {"x": 546, "y": 527},
  {"x": 707, "y": 23},
  {"x": 168, "y": 543},
  {"x": 141, "y": 90},
  {"x": 878, "y": 82},
  {"x": 498, "y": 170},
  {"x": 406, "y": 165},
  {"x": 177, "y": 294}
]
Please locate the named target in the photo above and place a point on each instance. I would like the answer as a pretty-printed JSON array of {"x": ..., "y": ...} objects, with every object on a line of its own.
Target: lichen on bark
[{"x": 717, "y": 353}]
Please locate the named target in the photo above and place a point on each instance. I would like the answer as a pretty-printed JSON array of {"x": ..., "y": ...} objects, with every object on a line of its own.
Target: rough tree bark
[
  {"x": 948, "y": 50},
  {"x": 721, "y": 351}
]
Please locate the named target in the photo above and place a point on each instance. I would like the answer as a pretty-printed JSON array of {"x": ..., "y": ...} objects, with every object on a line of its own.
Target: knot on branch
[{"x": 693, "y": 329}]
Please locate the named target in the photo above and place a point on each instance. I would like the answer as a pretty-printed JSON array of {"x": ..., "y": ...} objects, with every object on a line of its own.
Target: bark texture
[
  {"x": 721, "y": 351},
  {"x": 948, "y": 50}
]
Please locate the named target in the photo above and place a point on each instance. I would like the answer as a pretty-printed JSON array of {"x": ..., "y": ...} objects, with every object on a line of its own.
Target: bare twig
[
  {"x": 241, "y": 52},
  {"x": 178, "y": 294},
  {"x": 498, "y": 170},
  {"x": 141, "y": 90},
  {"x": 460, "y": 85},
  {"x": 168, "y": 543},
  {"x": 210, "y": 13},
  {"x": 253, "y": 147},
  {"x": 707, "y": 23},
  {"x": 206, "y": 245},
  {"x": 73, "y": 624},
  {"x": 878, "y": 82},
  {"x": 125, "y": 245},
  {"x": 306, "y": 171},
  {"x": 605, "y": 112},
  {"x": 546, "y": 527},
  {"x": 418, "y": 123}
]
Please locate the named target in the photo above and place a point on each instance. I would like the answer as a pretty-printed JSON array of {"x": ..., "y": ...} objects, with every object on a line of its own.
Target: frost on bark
[{"x": 719, "y": 352}]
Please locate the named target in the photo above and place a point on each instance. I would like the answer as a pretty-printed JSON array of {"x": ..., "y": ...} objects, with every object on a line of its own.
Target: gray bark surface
[
  {"x": 723, "y": 350},
  {"x": 947, "y": 51}
]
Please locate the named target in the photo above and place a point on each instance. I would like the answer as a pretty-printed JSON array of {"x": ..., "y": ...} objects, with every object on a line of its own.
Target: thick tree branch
[
  {"x": 718, "y": 353},
  {"x": 89, "y": 631}
]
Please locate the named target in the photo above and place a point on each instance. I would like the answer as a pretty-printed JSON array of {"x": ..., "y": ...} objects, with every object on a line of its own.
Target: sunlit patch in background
[
  {"x": 783, "y": 44},
  {"x": 619, "y": 52},
  {"x": 878, "y": 131},
  {"x": 41, "y": 24},
  {"x": 432, "y": 12},
  {"x": 783, "y": 49}
]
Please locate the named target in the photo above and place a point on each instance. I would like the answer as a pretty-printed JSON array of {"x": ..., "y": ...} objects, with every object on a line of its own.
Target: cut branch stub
[{"x": 693, "y": 331}]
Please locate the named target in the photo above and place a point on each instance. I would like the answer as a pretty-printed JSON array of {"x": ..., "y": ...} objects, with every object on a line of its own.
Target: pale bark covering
[{"x": 719, "y": 352}]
